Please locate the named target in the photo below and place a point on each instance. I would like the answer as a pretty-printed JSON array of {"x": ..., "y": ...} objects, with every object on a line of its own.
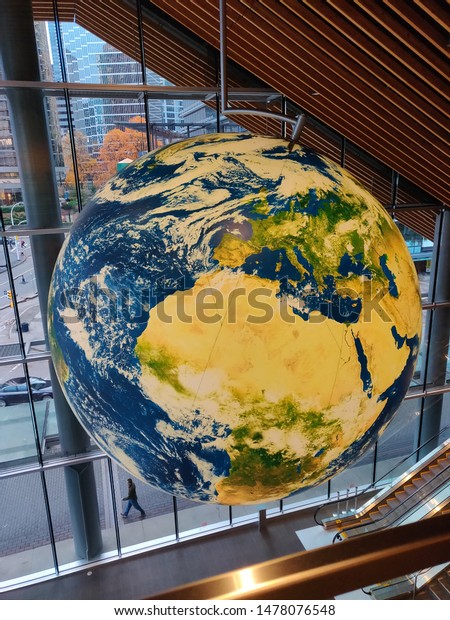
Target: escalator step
[
  {"x": 444, "y": 581},
  {"x": 365, "y": 520},
  {"x": 423, "y": 595},
  {"x": 401, "y": 495},
  {"x": 409, "y": 489},
  {"x": 437, "y": 591},
  {"x": 440, "y": 464},
  {"x": 393, "y": 502}
]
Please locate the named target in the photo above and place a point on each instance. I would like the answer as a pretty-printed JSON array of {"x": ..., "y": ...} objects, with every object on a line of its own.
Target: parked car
[
  {"x": 16, "y": 394},
  {"x": 35, "y": 382}
]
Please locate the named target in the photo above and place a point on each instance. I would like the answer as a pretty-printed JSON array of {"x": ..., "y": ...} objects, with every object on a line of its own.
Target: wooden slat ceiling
[{"x": 375, "y": 72}]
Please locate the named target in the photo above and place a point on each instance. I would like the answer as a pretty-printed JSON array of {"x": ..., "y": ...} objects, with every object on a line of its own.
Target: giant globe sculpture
[{"x": 232, "y": 321}]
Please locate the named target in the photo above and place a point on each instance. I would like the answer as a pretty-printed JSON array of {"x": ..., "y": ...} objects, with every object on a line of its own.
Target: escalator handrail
[
  {"x": 375, "y": 521},
  {"x": 375, "y": 482}
]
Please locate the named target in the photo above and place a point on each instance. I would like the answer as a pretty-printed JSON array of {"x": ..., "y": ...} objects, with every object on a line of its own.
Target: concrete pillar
[
  {"x": 20, "y": 61},
  {"x": 435, "y": 366}
]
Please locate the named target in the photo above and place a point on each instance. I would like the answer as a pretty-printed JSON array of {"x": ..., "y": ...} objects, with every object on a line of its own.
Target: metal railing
[
  {"x": 421, "y": 494},
  {"x": 373, "y": 485}
]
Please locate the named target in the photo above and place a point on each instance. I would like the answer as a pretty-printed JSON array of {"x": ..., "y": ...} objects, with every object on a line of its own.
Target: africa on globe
[{"x": 233, "y": 321}]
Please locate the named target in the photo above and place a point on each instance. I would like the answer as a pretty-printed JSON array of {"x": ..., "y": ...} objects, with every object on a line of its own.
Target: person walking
[{"x": 132, "y": 500}]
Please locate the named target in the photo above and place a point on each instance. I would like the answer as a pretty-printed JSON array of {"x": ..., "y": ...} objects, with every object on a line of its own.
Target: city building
[{"x": 362, "y": 78}]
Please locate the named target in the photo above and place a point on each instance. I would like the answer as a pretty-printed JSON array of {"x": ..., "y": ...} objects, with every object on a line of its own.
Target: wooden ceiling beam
[
  {"x": 437, "y": 11},
  {"x": 351, "y": 56},
  {"x": 344, "y": 69},
  {"x": 402, "y": 33},
  {"x": 378, "y": 54},
  {"x": 428, "y": 29},
  {"x": 283, "y": 72},
  {"x": 387, "y": 43},
  {"x": 263, "y": 38}
]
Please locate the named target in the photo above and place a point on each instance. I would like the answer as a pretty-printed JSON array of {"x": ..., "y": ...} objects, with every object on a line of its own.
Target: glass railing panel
[{"x": 244, "y": 513}]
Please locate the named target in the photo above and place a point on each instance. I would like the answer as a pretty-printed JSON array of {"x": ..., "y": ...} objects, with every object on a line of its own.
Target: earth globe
[{"x": 233, "y": 321}]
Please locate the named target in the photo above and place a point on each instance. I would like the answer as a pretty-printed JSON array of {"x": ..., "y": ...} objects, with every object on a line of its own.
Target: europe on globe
[{"x": 233, "y": 321}]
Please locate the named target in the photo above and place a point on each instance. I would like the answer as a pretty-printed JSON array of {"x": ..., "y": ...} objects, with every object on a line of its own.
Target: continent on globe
[{"x": 233, "y": 322}]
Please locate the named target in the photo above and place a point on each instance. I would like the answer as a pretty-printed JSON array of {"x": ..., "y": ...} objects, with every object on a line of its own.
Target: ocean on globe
[{"x": 232, "y": 321}]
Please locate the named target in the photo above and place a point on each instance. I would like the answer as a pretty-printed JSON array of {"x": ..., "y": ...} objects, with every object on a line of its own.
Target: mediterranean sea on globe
[{"x": 232, "y": 321}]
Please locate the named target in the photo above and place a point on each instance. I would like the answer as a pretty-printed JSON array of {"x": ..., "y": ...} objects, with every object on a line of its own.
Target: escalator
[
  {"x": 433, "y": 584},
  {"x": 422, "y": 491},
  {"x": 395, "y": 499},
  {"x": 428, "y": 584}
]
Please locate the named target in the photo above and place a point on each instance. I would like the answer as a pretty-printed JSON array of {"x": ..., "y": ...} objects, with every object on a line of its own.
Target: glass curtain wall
[{"x": 93, "y": 134}]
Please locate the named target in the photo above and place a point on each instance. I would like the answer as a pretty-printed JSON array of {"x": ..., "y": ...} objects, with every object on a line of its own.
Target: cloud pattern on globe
[{"x": 233, "y": 322}]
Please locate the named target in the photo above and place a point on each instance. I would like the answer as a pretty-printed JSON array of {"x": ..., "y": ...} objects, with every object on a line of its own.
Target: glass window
[
  {"x": 445, "y": 417},
  {"x": 109, "y": 133},
  {"x": 174, "y": 58},
  {"x": 67, "y": 504},
  {"x": 172, "y": 120},
  {"x": 417, "y": 378},
  {"x": 359, "y": 474},
  {"x": 44, "y": 407},
  {"x": 435, "y": 345},
  {"x": 421, "y": 250},
  {"x": 321, "y": 139},
  {"x": 22, "y": 250},
  {"x": 159, "y": 522},
  {"x": 196, "y": 517},
  {"x": 399, "y": 441},
  {"x": 91, "y": 59},
  {"x": 375, "y": 176},
  {"x": 409, "y": 193},
  {"x": 17, "y": 434},
  {"x": 24, "y": 530},
  {"x": 311, "y": 495}
]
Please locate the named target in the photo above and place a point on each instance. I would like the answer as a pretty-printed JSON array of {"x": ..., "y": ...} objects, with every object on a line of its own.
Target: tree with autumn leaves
[
  {"x": 118, "y": 144},
  {"x": 86, "y": 164}
]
